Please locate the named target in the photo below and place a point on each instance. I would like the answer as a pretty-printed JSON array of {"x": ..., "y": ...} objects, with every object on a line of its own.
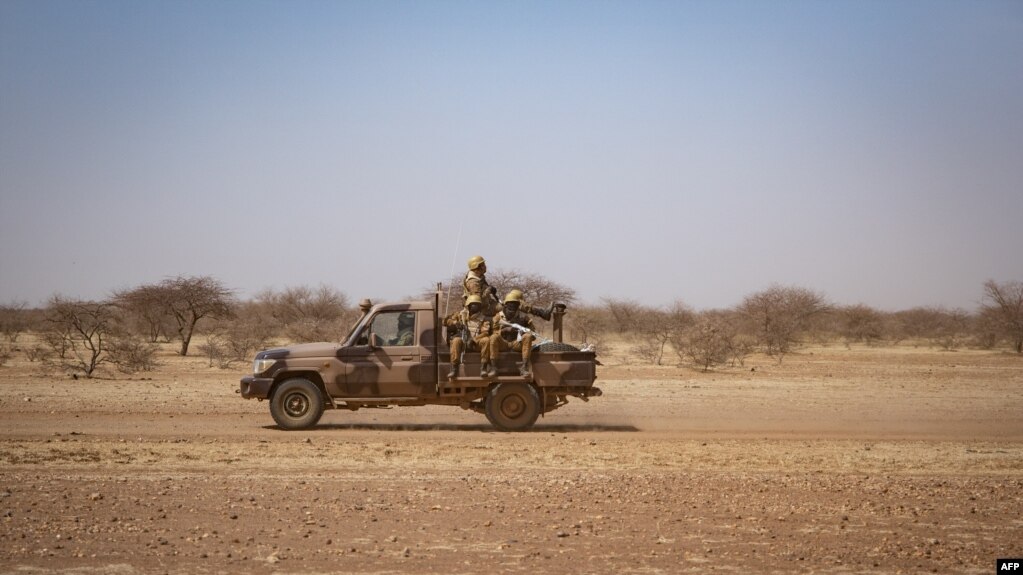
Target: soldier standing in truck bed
[
  {"x": 472, "y": 329},
  {"x": 475, "y": 283},
  {"x": 506, "y": 338}
]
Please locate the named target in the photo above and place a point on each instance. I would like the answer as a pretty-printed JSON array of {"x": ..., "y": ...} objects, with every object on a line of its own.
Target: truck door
[{"x": 386, "y": 360}]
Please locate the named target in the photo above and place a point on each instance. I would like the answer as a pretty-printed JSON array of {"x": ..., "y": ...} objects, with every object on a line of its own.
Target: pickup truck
[{"x": 369, "y": 370}]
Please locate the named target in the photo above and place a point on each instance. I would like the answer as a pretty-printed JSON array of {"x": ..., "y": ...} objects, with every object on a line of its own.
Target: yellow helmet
[
  {"x": 513, "y": 295},
  {"x": 473, "y": 299},
  {"x": 475, "y": 262}
]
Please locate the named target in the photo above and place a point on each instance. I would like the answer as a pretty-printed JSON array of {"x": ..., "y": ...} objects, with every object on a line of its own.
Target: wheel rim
[
  {"x": 513, "y": 406},
  {"x": 296, "y": 404}
]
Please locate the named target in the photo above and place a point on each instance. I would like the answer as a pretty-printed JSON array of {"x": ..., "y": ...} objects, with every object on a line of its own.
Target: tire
[
  {"x": 555, "y": 346},
  {"x": 296, "y": 404},
  {"x": 512, "y": 406}
]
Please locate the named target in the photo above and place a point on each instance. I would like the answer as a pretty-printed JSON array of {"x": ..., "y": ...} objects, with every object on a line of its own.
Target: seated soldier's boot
[
  {"x": 453, "y": 374},
  {"x": 526, "y": 369},
  {"x": 488, "y": 371}
]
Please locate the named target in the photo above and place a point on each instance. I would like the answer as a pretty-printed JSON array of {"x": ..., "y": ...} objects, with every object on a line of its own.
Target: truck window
[{"x": 394, "y": 328}]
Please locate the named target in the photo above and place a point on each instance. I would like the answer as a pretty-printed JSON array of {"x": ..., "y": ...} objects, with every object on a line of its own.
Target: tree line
[{"x": 126, "y": 329}]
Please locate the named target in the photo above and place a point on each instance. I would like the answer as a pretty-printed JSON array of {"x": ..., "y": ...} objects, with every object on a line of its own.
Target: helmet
[
  {"x": 473, "y": 299},
  {"x": 406, "y": 319},
  {"x": 475, "y": 262},
  {"x": 513, "y": 295}
]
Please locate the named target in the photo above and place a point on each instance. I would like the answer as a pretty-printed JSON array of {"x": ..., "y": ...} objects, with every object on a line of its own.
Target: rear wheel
[
  {"x": 513, "y": 406},
  {"x": 297, "y": 404}
]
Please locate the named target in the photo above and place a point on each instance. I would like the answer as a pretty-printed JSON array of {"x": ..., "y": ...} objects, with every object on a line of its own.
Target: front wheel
[
  {"x": 513, "y": 406},
  {"x": 297, "y": 404}
]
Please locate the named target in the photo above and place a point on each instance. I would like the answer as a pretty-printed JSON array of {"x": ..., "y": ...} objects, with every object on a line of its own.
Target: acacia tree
[
  {"x": 780, "y": 315},
  {"x": 190, "y": 299},
  {"x": 80, "y": 331},
  {"x": 1004, "y": 303},
  {"x": 146, "y": 304}
]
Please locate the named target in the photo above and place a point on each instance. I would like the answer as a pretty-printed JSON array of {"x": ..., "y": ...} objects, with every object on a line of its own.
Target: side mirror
[{"x": 373, "y": 339}]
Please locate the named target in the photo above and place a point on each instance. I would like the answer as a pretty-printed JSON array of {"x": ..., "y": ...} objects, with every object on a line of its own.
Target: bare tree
[
  {"x": 1004, "y": 301},
  {"x": 780, "y": 315},
  {"x": 624, "y": 313},
  {"x": 861, "y": 323},
  {"x": 80, "y": 332},
  {"x": 537, "y": 290},
  {"x": 587, "y": 323},
  {"x": 146, "y": 306},
  {"x": 251, "y": 329},
  {"x": 191, "y": 299},
  {"x": 13, "y": 320},
  {"x": 945, "y": 328},
  {"x": 657, "y": 327},
  {"x": 303, "y": 314}
]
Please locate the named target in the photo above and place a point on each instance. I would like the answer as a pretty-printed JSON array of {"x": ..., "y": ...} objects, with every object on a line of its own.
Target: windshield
[{"x": 355, "y": 329}]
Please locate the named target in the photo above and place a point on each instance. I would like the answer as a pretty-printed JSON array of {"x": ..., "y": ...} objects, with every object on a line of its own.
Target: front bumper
[{"x": 253, "y": 387}]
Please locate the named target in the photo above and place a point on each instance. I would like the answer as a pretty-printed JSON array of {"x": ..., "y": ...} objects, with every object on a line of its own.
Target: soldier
[
  {"x": 475, "y": 283},
  {"x": 406, "y": 322},
  {"x": 507, "y": 338},
  {"x": 472, "y": 324}
]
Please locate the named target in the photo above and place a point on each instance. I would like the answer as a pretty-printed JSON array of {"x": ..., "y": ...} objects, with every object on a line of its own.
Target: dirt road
[{"x": 837, "y": 461}]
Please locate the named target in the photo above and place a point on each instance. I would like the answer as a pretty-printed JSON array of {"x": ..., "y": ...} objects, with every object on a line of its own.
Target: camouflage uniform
[
  {"x": 506, "y": 338},
  {"x": 475, "y": 283},
  {"x": 404, "y": 337},
  {"x": 480, "y": 330},
  {"x": 406, "y": 325}
]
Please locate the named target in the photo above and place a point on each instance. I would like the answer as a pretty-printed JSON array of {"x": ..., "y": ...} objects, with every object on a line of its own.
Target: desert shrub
[
  {"x": 714, "y": 338},
  {"x": 215, "y": 350},
  {"x": 131, "y": 354},
  {"x": 303, "y": 314},
  {"x": 6, "y": 353},
  {"x": 13, "y": 320},
  {"x": 238, "y": 339},
  {"x": 38, "y": 352},
  {"x": 861, "y": 324},
  {"x": 587, "y": 324},
  {"x": 1003, "y": 305},
  {"x": 941, "y": 327}
]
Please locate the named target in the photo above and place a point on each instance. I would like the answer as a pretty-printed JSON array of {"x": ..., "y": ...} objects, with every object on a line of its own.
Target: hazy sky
[{"x": 870, "y": 150}]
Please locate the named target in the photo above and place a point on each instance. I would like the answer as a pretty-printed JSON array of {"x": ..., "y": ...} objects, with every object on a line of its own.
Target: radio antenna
[{"x": 454, "y": 260}]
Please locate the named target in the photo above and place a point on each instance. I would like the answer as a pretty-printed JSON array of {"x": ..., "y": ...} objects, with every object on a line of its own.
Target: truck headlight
[{"x": 261, "y": 365}]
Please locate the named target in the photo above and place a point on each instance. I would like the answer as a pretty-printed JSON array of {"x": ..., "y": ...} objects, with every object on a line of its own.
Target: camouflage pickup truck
[{"x": 370, "y": 370}]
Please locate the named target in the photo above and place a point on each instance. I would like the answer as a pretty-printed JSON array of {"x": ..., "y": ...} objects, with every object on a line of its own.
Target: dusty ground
[{"x": 839, "y": 460}]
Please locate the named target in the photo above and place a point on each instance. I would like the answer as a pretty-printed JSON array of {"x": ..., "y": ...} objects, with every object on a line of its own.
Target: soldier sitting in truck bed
[
  {"x": 506, "y": 338},
  {"x": 472, "y": 329}
]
